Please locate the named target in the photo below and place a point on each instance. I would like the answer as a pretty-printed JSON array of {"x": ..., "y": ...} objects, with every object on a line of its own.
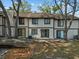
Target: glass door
[{"x": 60, "y": 34}]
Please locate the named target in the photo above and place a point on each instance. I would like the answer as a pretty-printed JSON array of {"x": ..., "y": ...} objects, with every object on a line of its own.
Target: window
[
  {"x": 60, "y": 23},
  {"x": 34, "y": 21},
  {"x": 44, "y": 32},
  {"x": 21, "y": 32},
  {"x": 34, "y": 32},
  {"x": 60, "y": 34},
  {"x": 46, "y": 21},
  {"x": 21, "y": 21}
]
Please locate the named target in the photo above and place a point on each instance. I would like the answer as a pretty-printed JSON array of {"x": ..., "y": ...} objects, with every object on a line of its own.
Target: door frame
[{"x": 57, "y": 34}]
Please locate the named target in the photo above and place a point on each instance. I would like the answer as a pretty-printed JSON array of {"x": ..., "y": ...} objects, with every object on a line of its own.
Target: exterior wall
[
  {"x": 28, "y": 26},
  {"x": 12, "y": 24},
  {"x": 27, "y": 32},
  {"x": 40, "y": 26},
  {"x": 0, "y": 20},
  {"x": 74, "y": 24},
  {"x": 1, "y": 26},
  {"x": 73, "y": 29},
  {"x": 25, "y": 23},
  {"x": 56, "y": 24},
  {"x": 12, "y": 31},
  {"x": 1, "y": 31},
  {"x": 24, "y": 26},
  {"x": 41, "y": 23},
  {"x": 71, "y": 32},
  {"x": 39, "y": 33},
  {"x": 12, "y": 20}
]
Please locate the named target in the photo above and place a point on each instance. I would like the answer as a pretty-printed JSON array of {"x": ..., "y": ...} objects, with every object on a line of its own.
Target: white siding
[
  {"x": 55, "y": 34},
  {"x": 11, "y": 19},
  {"x": 24, "y": 26},
  {"x": 51, "y": 34},
  {"x": 0, "y": 30},
  {"x": 26, "y": 31},
  {"x": 39, "y": 33},
  {"x": 0, "y": 20},
  {"x": 74, "y": 24},
  {"x": 40, "y": 23},
  {"x": 12, "y": 32},
  {"x": 25, "y": 22},
  {"x": 56, "y": 24},
  {"x": 72, "y": 33}
]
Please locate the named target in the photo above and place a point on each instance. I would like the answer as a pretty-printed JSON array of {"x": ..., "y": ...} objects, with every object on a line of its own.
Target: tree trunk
[
  {"x": 16, "y": 26},
  {"x": 78, "y": 29},
  {"x": 17, "y": 16},
  {"x": 65, "y": 31},
  {"x": 7, "y": 18}
]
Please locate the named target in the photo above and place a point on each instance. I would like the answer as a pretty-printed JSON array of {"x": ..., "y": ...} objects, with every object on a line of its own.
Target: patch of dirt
[{"x": 44, "y": 50}]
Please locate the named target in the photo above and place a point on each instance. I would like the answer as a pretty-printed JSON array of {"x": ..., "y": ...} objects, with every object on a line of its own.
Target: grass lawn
[{"x": 49, "y": 50}]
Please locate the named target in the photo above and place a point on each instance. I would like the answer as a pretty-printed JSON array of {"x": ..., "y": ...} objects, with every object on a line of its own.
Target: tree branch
[
  {"x": 59, "y": 8},
  {"x": 14, "y": 5}
]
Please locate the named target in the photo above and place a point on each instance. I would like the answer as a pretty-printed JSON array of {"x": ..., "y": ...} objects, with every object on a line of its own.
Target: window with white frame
[
  {"x": 21, "y": 21},
  {"x": 34, "y": 21},
  {"x": 34, "y": 32},
  {"x": 21, "y": 32},
  {"x": 60, "y": 23},
  {"x": 44, "y": 32},
  {"x": 60, "y": 34},
  {"x": 46, "y": 21}
]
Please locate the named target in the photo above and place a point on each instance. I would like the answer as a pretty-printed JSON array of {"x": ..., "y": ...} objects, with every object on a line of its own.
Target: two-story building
[{"x": 40, "y": 25}]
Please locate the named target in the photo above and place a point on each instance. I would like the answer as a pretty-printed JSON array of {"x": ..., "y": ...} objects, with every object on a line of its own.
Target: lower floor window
[
  {"x": 44, "y": 32},
  {"x": 34, "y": 32},
  {"x": 60, "y": 34},
  {"x": 21, "y": 32}
]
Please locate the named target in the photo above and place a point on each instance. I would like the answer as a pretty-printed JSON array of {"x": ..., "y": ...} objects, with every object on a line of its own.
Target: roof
[
  {"x": 36, "y": 15},
  {"x": 60, "y": 16},
  {"x": 44, "y": 15}
]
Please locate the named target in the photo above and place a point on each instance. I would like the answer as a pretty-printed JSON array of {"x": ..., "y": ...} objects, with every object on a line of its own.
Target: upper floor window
[
  {"x": 46, "y": 21},
  {"x": 34, "y": 21},
  {"x": 60, "y": 23},
  {"x": 21, "y": 21}
]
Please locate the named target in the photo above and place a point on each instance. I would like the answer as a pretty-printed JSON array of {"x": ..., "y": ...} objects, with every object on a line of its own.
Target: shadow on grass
[{"x": 49, "y": 50}]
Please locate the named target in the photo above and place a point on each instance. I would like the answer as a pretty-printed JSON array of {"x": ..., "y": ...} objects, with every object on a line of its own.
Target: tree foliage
[
  {"x": 49, "y": 8},
  {"x": 24, "y": 6}
]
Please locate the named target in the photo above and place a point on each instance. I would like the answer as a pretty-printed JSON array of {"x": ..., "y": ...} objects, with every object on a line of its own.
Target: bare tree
[
  {"x": 7, "y": 19},
  {"x": 65, "y": 32},
  {"x": 72, "y": 18},
  {"x": 65, "y": 14},
  {"x": 16, "y": 9}
]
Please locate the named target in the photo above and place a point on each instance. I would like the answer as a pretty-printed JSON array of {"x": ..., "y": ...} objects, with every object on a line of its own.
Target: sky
[{"x": 34, "y": 4}]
